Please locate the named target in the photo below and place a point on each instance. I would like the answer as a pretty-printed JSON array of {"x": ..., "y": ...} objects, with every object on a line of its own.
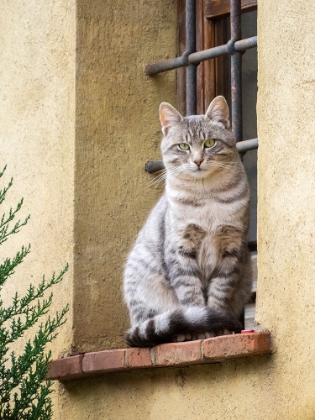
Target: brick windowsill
[{"x": 210, "y": 350}]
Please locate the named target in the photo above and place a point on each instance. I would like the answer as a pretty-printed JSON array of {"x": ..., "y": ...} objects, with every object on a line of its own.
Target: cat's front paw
[
  {"x": 179, "y": 338},
  {"x": 217, "y": 333},
  {"x": 211, "y": 334}
]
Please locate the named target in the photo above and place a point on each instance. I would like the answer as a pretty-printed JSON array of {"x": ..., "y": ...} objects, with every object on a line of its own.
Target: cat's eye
[
  {"x": 209, "y": 143},
  {"x": 184, "y": 146}
]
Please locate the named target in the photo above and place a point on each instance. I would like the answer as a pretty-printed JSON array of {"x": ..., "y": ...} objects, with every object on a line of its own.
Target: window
[
  {"x": 210, "y": 78},
  {"x": 224, "y": 34}
]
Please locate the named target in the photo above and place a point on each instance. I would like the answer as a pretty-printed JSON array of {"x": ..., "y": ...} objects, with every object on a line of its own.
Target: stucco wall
[
  {"x": 117, "y": 131},
  {"x": 78, "y": 121},
  {"x": 286, "y": 156},
  {"x": 37, "y": 132}
]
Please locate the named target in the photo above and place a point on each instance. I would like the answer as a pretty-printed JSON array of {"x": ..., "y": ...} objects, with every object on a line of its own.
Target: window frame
[
  {"x": 188, "y": 58},
  {"x": 210, "y": 29}
]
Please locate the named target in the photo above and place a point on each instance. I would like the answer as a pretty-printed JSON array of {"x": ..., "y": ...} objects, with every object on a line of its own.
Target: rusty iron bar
[
  {"x": 246, "y": 145},
  {"x": 234, "y": 47},
  {"x": 183, "y": 61},
  {"x": 236, "y": 70},
  {"x": 245, "y": 44},
  {"x": 239, "y": 46},
  {"x": 243, "y": 146},
  {"x": 172, "y": 64},
  {"x": 197, "y": 57},
  {"x": 154, "y": 166},
  {"x": 191, "y": 70}
]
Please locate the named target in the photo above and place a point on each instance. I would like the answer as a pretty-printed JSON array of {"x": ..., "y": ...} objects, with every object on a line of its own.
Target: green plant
[{"x": 24, "y": 392}]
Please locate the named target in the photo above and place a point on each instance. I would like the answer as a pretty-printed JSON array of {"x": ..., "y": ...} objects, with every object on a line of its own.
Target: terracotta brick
[
  {"x": 171, "y": 354},
  {"x": 259, "y": 343},
  {"x": 104, "y": 361},
  {"x": 65, "y": 368},
  {"x": 178, "y": 353},
  {"x": 138, "y": 357},
  {"x": 236, "y": 345}
]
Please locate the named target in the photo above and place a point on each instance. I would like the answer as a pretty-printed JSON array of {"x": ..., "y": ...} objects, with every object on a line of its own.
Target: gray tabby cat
[{"x": 188, "y": 275}]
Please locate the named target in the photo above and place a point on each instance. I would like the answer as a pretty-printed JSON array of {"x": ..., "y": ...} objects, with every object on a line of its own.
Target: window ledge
[{"x": 210, "y": 350}]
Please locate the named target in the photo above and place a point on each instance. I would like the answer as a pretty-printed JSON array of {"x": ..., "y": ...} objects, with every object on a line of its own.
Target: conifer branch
[{"x": 24, "y": 392}]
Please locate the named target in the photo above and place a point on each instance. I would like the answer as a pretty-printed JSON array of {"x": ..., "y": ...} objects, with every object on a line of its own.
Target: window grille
[{"x": 190, "y": 59}]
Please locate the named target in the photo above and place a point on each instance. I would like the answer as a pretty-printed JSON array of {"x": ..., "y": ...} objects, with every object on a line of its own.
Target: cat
[{"x": 188, "y": 275}]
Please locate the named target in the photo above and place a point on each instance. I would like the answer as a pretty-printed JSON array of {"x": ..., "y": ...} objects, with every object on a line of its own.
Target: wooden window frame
[{"x": 211, "y": 31}]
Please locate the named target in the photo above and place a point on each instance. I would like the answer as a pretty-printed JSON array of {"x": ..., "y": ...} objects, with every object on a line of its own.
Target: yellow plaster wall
[
  {"x": 78, "y": 121},
  {"x": 217, "y": 392},
  {"x": 37, "y": 131},
  {"x": 274, "y": 387},
  {"x": 286, "y": 156},
  {"x": 117, "y": 131}
]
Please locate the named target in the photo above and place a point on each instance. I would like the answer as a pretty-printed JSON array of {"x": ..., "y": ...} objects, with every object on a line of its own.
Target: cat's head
[{"x": 198, "y": 145}]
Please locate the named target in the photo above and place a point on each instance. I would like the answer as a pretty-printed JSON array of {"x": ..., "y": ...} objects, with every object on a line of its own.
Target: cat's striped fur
[{"x": 189, "y": 274}]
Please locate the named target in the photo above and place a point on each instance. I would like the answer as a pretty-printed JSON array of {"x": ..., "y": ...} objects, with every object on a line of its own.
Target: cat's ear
[
  {"x": 218, "y": 111},
  {"x": 169, "y": 117}
]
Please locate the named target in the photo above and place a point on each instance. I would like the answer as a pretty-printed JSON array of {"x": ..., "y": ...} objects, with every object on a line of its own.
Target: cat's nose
[{"x": 198, "y": 162}]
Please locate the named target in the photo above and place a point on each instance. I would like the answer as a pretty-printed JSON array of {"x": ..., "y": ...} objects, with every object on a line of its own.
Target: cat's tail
[{"x": 164, "y": 327}]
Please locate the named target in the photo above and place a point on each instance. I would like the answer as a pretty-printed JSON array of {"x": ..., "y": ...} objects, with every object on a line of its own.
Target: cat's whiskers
[
  {"x": 175, "y": 170},
  {"x": 157, "y": 179},
  {"x": 172, "y": 171}
]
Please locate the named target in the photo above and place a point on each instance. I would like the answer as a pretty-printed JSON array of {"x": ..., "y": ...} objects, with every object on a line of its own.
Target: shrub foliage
[{"x": 24, "y": 392}]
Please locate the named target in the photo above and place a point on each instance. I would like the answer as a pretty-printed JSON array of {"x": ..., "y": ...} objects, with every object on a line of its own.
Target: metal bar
[
  {"x": 246, "y": 145},
  {"x": 239, "y": 46},
  {"x": 204, "y": 55},
  {"x": 243, "y": 146},
  {"x": 197, "y": 57},
  {"x": 245, "y": 44},
  {"x": 154, "y": 166},
  {"x": 167, "y": 65},
  {"x": 191, "y": 74},
  {"x": 236, "y": 70},
  {"x": 191, "y": 94}
]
